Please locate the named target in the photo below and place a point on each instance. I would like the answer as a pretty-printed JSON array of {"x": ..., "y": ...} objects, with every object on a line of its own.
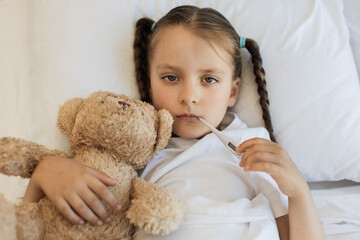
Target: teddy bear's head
[{"x": 130, "y": 129}]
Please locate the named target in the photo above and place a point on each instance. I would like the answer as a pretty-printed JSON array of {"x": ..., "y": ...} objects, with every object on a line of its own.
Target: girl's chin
[
  {"x": 189, "y": 133},
  {"x": 189, "y": 129}
]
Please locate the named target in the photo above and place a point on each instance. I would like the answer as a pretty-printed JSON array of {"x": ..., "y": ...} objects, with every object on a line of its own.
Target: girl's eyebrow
[
  {"x": 167, "y": 66},
  {"x": 205, "y": 70},
  {"x": 212, "y": 70}
]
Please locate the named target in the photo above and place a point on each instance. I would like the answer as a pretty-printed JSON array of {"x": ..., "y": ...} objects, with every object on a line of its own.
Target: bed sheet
[{"x": 338, "y": 205}]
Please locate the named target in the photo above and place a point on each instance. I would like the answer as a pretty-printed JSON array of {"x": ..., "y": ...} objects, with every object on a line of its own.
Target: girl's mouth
[{"x": 188, "y": 117}]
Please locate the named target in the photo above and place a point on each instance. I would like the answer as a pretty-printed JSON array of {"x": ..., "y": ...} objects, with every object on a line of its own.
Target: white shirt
[{"x": 220, "y": 198}]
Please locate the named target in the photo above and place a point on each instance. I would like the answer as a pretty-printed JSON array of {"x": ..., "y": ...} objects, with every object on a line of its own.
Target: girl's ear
[
  {"x": 164, "y": 130},
  {"x": 67, "y": 115},
  {"x": 235, "y": 85}
]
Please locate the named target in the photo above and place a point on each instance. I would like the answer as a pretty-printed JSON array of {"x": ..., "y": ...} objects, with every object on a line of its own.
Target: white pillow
[
  {"x": 77, "y": 47},
  {"x": 14, "y": 77},
  {"x": 352, "y": 15},
  {"x": 312, "y": 83}
]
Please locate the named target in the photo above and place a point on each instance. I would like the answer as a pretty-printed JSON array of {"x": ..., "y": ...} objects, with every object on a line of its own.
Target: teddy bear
[{"x": 114, "y": 134}]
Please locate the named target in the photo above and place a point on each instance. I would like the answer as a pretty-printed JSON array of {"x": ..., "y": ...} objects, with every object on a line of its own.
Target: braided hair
[{"x": 211, "y": 25}]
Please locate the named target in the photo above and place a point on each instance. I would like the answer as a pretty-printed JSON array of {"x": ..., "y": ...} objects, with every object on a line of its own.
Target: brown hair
[{"x": 212, "y": 26}]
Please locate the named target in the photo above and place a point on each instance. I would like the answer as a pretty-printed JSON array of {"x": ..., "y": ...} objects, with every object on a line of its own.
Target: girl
[{"x": 189, "y": 63}]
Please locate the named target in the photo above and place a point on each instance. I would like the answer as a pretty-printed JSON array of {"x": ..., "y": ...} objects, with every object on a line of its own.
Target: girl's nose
[{"x": 189, "y": 94}]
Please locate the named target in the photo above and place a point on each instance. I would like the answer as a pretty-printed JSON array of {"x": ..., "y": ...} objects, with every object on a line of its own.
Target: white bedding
[
  {"x": 338, "y": 205},
  {"x": 54, "y": 50}
]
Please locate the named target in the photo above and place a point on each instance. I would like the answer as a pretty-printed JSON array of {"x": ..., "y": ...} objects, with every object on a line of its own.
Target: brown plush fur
[
  {"x": 8, "y": 219},
  {"x": 114, "y": 134}
]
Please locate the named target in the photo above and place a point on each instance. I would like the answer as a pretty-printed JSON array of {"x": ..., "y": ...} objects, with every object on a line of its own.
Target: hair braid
[
  {"x": 141, "y": 44},
  {"x": 259, "y": 72}
]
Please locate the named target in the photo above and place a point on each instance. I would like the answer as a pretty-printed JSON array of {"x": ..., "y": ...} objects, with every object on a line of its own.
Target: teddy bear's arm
[
  {"x": 19, "y": 157},
  {"x": 154, "y": 209},
  {"x": 20, "y": 221},
  {"x": 8, "y": 220}
]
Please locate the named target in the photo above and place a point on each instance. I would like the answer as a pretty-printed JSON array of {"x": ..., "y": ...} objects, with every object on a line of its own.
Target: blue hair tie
[
  {"x": 153, "y": 26},
  {"x": 242, "y": 42}
]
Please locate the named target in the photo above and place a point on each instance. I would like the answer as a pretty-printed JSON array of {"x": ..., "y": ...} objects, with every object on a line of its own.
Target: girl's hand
[
  {"x": 264, "y": 155},
  {"x": 74, "y": 189}
]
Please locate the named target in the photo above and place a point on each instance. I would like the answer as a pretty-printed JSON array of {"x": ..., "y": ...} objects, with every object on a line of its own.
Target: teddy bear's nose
[{"x": 124, "y": 104}]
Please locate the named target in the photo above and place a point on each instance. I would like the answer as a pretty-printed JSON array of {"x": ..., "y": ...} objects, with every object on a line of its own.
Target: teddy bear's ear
[
  {"x": 67, "y": 115},
  {"x": 164, "y": 130}
]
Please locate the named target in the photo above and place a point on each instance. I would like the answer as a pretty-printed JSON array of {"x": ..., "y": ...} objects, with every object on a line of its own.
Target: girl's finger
[
  {"x": 82, "y": 209},
  {"x": 102, "y": 176},
  {"x": 270, "y": 158},
  {"x": 64, "y": 208},
  {"x": 251, "y": 142},
  {"x": 252, "y": 155},
  {"x": 93, "y": 202},
  {"x": 267, "y": 167},
  {"x": 259, "y": 150},
  {"x": 104, "y": 193}
]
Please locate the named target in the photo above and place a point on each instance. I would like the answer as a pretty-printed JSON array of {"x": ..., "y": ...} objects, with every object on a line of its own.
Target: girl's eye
[
  {"x": 170, "y": 78},
  {"x": 210, "y": 80}
]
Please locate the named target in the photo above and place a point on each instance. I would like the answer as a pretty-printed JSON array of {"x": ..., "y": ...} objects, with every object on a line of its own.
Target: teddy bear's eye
[
  {"x": 102, "y": 102},
  {"x": 123, "y": 104}
]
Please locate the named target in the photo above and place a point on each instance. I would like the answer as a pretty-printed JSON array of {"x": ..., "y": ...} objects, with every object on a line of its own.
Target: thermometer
[{"x": 229, "y": 144}]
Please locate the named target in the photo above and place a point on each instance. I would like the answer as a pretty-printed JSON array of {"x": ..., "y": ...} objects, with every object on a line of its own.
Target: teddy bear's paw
[
  {"x": 29, "y": 224},
  {"x": 8, "y": 219},
  {"x": 157, "y": 215},
  {"x": 11, "y": 153},
  {"x": 19, "y": 157}
]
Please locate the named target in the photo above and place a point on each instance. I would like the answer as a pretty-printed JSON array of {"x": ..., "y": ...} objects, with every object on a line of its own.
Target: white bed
[
  {"x": 51, "y": 51},
  {"x": 338, "y": 206}
]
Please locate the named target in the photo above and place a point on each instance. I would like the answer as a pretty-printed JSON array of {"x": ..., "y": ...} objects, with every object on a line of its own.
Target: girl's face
[{"x": 191, "y": 79}]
